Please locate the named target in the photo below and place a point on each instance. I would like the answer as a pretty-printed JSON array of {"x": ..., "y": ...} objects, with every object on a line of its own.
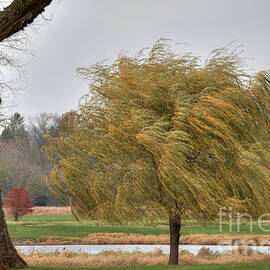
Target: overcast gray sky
[{"x": 83, "y": 32}]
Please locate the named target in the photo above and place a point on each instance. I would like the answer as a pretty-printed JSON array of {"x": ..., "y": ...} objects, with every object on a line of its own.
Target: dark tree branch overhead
[{"x": 19, "y": 14}]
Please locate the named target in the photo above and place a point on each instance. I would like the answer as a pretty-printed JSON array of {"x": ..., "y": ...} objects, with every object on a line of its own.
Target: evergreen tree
[{"x": 15, "y": 129}]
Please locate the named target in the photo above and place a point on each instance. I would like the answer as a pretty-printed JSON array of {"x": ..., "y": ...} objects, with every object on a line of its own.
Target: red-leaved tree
[{"x": 18, "y": 203}]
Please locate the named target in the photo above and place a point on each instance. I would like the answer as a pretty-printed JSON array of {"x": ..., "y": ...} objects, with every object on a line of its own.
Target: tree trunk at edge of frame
[{"x": 9, "y": 257}]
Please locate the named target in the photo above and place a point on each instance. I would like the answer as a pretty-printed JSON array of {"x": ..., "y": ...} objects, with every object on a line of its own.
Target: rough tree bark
[
  {"x": 175, "y": 227},
  {"x": 14, "y": 18},
  {"x": 19, "y": 14},
  {"x": 8, "y": 254}
]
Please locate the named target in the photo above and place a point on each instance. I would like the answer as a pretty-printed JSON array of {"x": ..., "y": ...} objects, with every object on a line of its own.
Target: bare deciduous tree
[{"x": 13, "y": 18}]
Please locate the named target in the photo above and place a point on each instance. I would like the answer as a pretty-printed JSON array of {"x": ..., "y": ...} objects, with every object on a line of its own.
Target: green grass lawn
[
  {"x": 66, "y": 226},
  {"x": 242, "y": 266}
]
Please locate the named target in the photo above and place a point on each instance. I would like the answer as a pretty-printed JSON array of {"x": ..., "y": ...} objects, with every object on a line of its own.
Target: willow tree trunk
[
  {"x": 175, "y": 227},
  {"x": 9, "y": 257}
]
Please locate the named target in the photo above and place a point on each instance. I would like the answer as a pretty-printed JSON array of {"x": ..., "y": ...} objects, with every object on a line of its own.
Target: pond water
[{"x": 95, "y": 249}]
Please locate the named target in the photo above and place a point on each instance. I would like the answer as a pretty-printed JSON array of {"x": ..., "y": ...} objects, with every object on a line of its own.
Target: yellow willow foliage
[{"x": 161, "y": 134}]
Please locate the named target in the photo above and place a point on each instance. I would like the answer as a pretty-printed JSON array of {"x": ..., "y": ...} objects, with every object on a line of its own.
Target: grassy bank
[
  {"x": 66, "y": 226},
  {"x": 156, "y": 257},
  {"x": 43, "y": 226},
  {"x": 242, "y": 266}
]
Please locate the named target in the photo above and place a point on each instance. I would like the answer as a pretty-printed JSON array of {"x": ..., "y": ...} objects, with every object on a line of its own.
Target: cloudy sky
[{"x": 83, "y": 32}]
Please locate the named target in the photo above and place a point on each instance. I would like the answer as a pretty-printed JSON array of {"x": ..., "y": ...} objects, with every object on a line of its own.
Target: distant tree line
[{"x": 22, "y": 160}]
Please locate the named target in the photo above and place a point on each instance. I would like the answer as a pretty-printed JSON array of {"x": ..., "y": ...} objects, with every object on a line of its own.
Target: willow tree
[{"x": 163, "y": 135}]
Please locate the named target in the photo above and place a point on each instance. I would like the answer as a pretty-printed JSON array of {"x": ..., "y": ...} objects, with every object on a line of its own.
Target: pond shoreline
[
  {"x": 138, "y": 239},
  {"x": 97, "y": 249}
]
